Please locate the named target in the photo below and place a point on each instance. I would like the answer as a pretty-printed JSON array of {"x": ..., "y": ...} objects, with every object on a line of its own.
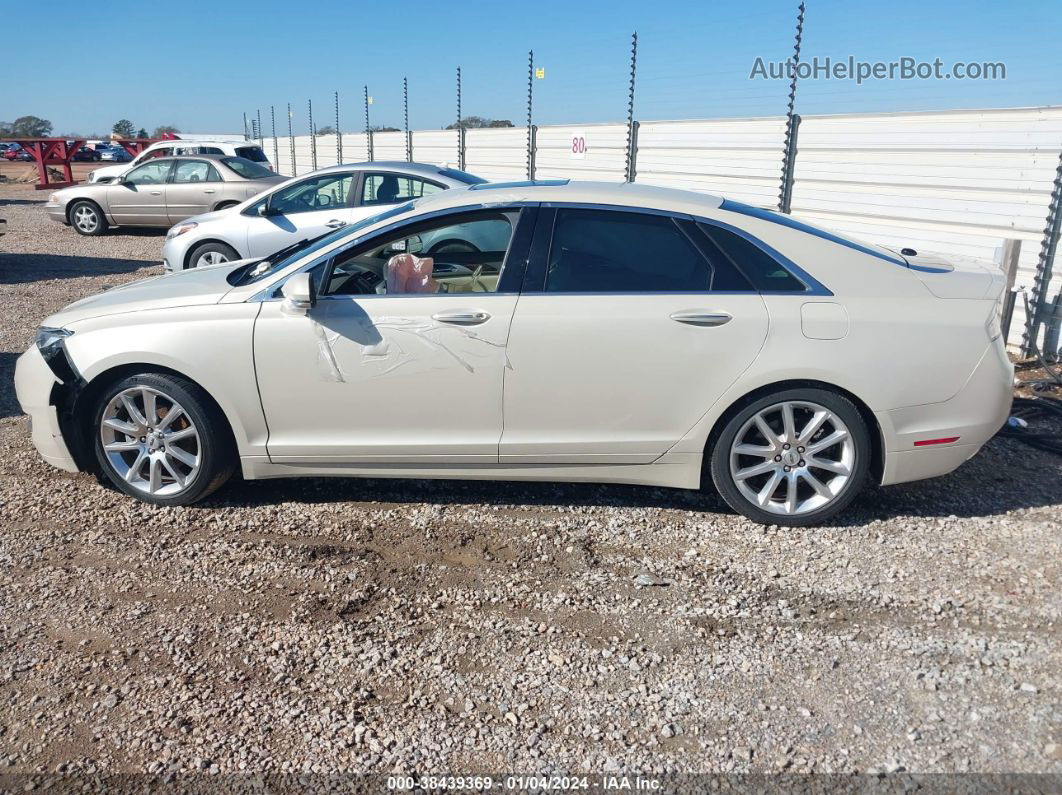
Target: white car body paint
[{"x": 573, "y": 387}]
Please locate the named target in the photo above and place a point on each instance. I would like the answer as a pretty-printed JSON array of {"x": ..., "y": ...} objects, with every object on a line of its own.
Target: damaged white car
[{"x": 538, "y": 331}]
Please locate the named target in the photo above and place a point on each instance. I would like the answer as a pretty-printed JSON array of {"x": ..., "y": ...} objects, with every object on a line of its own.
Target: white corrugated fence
[{"x": 951, "y": 182}]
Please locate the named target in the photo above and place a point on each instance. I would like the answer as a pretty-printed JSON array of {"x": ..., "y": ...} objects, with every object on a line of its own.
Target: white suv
[{"x": 234, "y": 148}]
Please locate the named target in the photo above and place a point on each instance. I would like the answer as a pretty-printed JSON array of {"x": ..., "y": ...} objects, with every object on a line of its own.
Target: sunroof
[{"x": 527, "y": 183}]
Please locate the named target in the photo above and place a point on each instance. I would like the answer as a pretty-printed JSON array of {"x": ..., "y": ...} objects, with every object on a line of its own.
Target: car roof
[
  {"x": 425, "y": 169},
  {"x": 197, "y": 157},
  {"x": 626, "y": 194}
]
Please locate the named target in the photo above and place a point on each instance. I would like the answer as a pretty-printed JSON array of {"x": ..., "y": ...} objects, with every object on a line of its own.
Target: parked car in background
[
  {"x": 115, "y": 154},
  {"x": 17, "y": 153},
  {"x": 248, "y": 150},
  {"x": 86, "y": 155},
  {"x": 160, "y": 193},
  {"x": 621, "y": 333},
  {"x": 304, "y": 207}
]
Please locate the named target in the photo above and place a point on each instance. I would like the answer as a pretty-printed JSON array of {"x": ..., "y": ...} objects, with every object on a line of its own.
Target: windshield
[
  {"x": 462, "y": 176},
  {"x": 247, "y": 169},
  {"x": 275, "y": 263}
]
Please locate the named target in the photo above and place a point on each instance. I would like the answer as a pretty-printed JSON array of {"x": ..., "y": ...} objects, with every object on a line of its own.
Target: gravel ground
[{"x": 433, "y": 627}]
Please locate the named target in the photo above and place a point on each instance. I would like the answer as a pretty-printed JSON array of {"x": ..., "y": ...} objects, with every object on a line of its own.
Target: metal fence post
[
  {"x": 789, "y": 167},
  {"x": 276, "y": 143},
  {"x": 291, "y": 141},
  {"x": 339, "y": 135},
  {"x": 261, "y": 134},
  {"x": 530, "y": 126},
  {"x": 1009, "y": 263},
  {"x": 629, "y": 173},
  {"x": 368, "y": 129},
  {"x": 632, "y": 166},
  {"x": 785, "y": 194},
  {"x": 313, "y": 136},
  {"x": 405, "y": 118},
  {"x": 1048, "y": 247}
]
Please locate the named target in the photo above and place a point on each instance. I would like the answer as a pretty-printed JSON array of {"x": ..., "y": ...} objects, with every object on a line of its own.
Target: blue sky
[{"x": 201, "y": 65}]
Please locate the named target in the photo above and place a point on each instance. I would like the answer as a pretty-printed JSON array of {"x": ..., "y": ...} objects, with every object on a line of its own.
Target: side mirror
[
  {"x": 299, "y": 294},
  {"x": 265, "y": 210}
]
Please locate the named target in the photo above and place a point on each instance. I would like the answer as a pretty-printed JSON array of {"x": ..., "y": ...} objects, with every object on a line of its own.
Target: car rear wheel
[
  {"x": 212, "y": 254},
  {"x": 796, "y": 458},
  {"x": 159, "y": 438},
  {"x": 88, "y": 219}
]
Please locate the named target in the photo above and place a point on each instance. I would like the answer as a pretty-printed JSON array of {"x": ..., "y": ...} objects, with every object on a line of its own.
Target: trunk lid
[{"x": 956, "y": 276}]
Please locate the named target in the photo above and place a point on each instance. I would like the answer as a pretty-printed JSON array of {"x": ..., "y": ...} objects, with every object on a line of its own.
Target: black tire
[
  {"x": 225, "y": 206},
  {"x": 216, "y": 456},
  {"x": 226, "y": 253},
  {"x": 726, "y": 484},
  {"x": 87, "y": 218}
]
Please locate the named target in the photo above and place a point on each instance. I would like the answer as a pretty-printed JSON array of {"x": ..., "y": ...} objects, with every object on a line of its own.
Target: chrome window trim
[
  {"x": 800, "y": 226},
  {"x": 814, "y": 287}
]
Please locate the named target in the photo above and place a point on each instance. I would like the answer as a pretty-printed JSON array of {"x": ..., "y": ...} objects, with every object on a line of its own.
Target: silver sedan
[
  {"x": 161, "y": 192},
  {"x": 304, "y": 207}
]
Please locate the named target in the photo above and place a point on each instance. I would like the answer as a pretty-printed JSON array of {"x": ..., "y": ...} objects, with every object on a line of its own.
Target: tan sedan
[{"x": 161, "y": 193}]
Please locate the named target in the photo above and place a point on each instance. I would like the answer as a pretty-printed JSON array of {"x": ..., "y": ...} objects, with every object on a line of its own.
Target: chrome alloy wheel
[
  {"x": 150, "y": 441},
  {"x": 792, "y": 458},
  {"x": 210, "y": 258},
  {"x": 86, "y": 219}
]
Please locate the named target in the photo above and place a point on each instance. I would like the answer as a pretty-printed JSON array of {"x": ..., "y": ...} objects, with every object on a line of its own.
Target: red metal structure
[
  {"x": 54, "y": 152},
  {"x": 59, "y": 153}
]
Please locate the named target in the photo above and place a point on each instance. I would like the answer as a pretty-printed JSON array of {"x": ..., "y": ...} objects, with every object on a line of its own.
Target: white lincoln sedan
[{"x": 537, "y": 331}]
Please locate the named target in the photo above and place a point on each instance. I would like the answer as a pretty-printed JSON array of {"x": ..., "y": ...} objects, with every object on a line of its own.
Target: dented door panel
[{"x": 401, "y": 379}]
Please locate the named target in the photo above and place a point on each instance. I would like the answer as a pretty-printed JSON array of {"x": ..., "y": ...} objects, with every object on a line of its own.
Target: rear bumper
[
  {"x": 34, "y": 382},
  {"x": 974, "y": 415}
]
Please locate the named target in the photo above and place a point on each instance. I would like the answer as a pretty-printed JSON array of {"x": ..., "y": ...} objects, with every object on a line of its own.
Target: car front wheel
[
  {"x": 88, "y": 219},
  {"x": 212, "y": 254},
  {"x": 159, "y": 438},
  {"x": 796, "y": 458}
]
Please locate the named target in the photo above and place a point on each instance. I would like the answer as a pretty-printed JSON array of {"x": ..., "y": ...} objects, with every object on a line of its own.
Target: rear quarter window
[
  {"x": 252, "y": 153},
  {"x": 766, "y": 273}
]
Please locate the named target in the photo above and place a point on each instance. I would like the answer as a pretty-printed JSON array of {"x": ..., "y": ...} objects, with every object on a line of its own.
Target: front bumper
[
  {"x": 175, "y": 251},
  {"x": 57, "y": 212},
  {"x": 34, "y": 382},
  {"x": 974, "y": 415}
]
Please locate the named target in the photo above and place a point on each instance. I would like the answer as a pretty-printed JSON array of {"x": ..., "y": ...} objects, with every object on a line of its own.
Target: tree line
[{"x": 36, "y": 127}]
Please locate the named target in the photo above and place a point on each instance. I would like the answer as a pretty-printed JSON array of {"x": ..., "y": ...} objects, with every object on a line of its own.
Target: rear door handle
[
  {"x": 701, "y": 318},
  {"x": 336, "y": 224},
  {"x": 462, "y": 318},
  {"x": 209, "y": 190}
]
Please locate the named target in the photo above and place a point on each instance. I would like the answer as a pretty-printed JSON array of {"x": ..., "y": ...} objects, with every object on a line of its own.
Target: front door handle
[
  {"x": 156, "y": 193},
  {"x": 701, "y": 318},
  {"x": 335, "y": 223},
  {"x": 462, "y": 318}
]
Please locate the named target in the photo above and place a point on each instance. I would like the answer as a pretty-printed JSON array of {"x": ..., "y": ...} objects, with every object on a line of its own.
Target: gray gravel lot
[{"x": 431, "y": 627}]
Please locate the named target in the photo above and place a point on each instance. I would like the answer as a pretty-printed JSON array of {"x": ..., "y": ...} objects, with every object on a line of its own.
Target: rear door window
[
  {"x": 394, "y": 188},
  {"x": 604, "y": 251},
  {"x": 195, "y": 171}
]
